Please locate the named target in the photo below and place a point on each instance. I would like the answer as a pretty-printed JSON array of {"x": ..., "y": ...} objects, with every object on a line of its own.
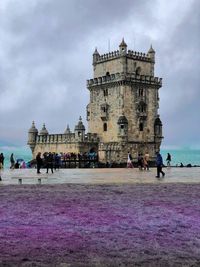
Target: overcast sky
[{"x": 46, "y": 51}]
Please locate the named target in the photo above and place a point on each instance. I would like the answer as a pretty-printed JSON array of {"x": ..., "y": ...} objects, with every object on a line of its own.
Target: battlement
[
  {"x": 117, "y": 77},
  {"x": 64, "y": 138},
  {"x": 116, "y": 54},
  {"x": 138, "y": 56}
]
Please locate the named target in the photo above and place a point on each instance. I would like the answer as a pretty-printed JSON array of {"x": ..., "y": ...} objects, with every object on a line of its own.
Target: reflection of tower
[
  {"x": 32, "y": 135},
  {"x": 79, "y": 131}
]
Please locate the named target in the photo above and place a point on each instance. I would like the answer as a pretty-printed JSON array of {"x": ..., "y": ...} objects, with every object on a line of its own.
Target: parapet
[
  {"x": 117, "y": 77},
  {"x": 116, "y": 54},
  {"x": 64, "y": 138}
]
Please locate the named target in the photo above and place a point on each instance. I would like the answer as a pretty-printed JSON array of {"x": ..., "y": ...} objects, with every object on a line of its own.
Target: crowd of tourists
[{"x": 55, "y": 161}]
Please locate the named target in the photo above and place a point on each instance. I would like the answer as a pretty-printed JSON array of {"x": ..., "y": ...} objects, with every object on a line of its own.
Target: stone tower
[{"x": 124, "y": 102}]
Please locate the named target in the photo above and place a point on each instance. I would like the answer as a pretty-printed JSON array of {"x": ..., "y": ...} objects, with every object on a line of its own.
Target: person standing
[
  {"x": 39, "y": 162},
  {"x": 146, "y": 161},
  {"x": 12, "y": 161},
  {"x": 159, "y": 164},
  {"x": 168, "y": 159},
  {"x": 129, "y": 161},
  {"x": 1, "y": 164},
  {"x": 49, "y": 162},
  {"x": 1, "y": 161},
  {"x": 140, "y": 162}
]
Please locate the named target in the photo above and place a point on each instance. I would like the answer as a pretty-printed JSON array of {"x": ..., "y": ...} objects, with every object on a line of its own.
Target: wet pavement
[{"x": 100, "y": 176}]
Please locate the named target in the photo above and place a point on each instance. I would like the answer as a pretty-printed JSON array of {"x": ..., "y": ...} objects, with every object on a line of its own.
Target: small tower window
[
  {"x": 105, "y": 127},
  {"x": 141, "y": 127},
  {"x": 122, "y": 126},
  {"x": 141, "y": 91},
  {"x": 105, "y": 92},
  {"x": 142, "y": 107}
]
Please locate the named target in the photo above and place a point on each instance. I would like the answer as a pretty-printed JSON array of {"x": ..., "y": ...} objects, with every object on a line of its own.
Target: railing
[{"x": 79, "y": 163}]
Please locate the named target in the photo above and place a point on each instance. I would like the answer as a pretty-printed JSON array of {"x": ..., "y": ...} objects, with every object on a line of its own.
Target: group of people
[
  {"x": 143, "y": 162},
  {"x": 79, "y": 156},
  {"x": 50, "y": 161},
  {"x": 54, "y": 161}
]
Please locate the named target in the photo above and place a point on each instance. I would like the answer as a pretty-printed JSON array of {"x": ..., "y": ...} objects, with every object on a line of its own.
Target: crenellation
[{"x": 126, "y": 77}]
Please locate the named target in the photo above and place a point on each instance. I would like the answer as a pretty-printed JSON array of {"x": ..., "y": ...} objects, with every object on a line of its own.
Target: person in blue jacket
[{"x": 159, "y": 164}]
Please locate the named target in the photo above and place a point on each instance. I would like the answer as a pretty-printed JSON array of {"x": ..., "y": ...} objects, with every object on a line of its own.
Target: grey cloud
[{"x": 46, "y": 57}]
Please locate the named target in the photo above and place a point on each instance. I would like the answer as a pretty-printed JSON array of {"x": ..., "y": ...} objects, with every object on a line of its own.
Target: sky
[{"x": 46, "y": 52}]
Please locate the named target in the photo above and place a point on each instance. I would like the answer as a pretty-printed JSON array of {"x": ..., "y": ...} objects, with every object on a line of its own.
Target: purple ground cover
[{"x": 100, "y": 225}]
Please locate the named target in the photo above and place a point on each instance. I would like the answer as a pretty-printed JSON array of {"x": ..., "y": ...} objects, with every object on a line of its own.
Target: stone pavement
[{"x": 100, "y": 176}]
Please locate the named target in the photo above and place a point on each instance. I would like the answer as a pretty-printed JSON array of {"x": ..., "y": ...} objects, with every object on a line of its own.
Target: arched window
[
  {"x": 142, "y": 107},
  {"x": 105, "y": 92},
  {"x": 105, "y": 127},
  {"x": 141, "y": 91}
]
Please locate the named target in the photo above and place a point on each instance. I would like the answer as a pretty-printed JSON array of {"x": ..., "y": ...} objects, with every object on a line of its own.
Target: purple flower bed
[{"x": 100, "y": 225}]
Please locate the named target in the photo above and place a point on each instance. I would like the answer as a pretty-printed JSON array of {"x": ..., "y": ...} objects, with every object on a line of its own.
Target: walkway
[{"x": 100, "y": 176}]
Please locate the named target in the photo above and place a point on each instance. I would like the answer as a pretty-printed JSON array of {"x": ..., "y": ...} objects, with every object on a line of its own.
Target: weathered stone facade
[{"x": 122, "y": 113}]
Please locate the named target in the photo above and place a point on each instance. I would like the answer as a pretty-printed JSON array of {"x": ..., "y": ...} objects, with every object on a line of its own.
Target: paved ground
[
  {"x": 100, "y": 176},
  {"x": 100, "y": 218}
]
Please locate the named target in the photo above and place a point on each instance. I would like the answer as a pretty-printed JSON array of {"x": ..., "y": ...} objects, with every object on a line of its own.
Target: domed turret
[
  {"x": 151, "y": 50},
  {"x": 158, "y": 121},
  {"x": 95, "y": 56},
  {"x": 80, "y": 130},
  {"x": 67, "y": 131},
  {"x": 32, "y": 135},
  {"x": 44, "y": 130},
  {"x": 123, "y": 47},
  {"x": 80, "y": 125},
  {"x": 151, "y": 53},
  {"x": 33, "y": 129},
  {"x": 158, "y": 127}
]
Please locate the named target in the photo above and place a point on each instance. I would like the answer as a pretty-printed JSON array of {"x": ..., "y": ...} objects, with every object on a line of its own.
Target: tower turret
[
  {"x": 151, "y": 54},
  {"x": 67, "y": 131},
  {"x": 123, "y": 48},
  {"x": 123, "y": 52},
  {"x": 44, "y": 131},
  {"x": 80, "y": 130},
  {"x": 32, "y": 135},
  {"x": 158, "y": 133},
  {"x": 95, "y": 57}
]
